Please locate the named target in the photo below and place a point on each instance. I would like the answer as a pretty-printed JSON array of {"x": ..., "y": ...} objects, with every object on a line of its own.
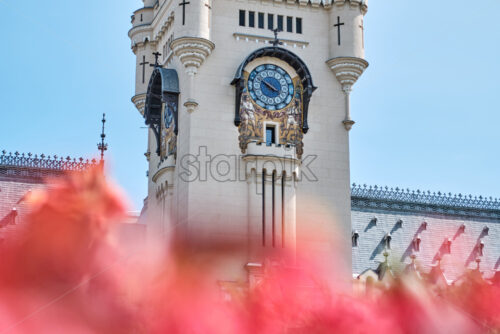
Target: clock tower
[{"x": 247, "y": 104}]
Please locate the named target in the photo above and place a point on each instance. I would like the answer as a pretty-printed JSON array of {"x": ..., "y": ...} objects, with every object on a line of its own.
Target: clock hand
[{"x": 270, "y": 86}]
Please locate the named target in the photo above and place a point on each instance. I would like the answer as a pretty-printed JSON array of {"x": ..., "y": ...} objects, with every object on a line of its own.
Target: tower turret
[
  {"x": 279, "y": 180},
  {"x": 346, "y": 28},
  {"x": 347, "y": 47},
  {"x": 193, "y": 19},
  {"x": 143, "y": 46}
]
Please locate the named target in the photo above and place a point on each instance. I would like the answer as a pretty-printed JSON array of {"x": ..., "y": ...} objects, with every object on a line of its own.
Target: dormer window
[
  {"x": 13, "y": 214},
  {"x": 447, "y": 245},
  {"x": 480, "y": 248},
  {"x": 387, "y": 241},
  {"x": 270, "y": 135},
  {"x": 416, "y": 243},
  {"x": 424, "y": 226},
  {"x": 355, "y": 238}
]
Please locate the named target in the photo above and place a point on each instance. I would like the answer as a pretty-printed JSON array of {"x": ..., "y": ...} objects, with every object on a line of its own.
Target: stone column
[
  {"x": 347, "y": 70},
  {"x": 254, "y": 215},
  {"x": 278, "y": 202},
  {"x": 268, "y": 197},
  {"x": 290, "y": 214}
]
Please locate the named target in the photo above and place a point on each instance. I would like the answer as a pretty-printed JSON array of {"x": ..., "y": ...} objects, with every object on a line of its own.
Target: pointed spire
[{"x": 102, "y": 146}]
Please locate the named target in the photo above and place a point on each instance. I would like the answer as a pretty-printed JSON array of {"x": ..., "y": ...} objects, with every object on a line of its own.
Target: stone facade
[
  {"x": 202, "y": 116},
  {"x": 205, "y": 43}
]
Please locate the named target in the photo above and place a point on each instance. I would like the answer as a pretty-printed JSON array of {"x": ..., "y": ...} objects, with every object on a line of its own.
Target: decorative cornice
[
  {"x": 192, "y": 51},
  {"x": 146, "y": 27},
  {"x": 361, "y": 4},
  {"x": 267, "y": 40},
  {"x": 165, "y": 26},
  {"x": 21, "y": 165},
  {"x": 384, "y": 198},
  {"x": 143, "y": 9}
]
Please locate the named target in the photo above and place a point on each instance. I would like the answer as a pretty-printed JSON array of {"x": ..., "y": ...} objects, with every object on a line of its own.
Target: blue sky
[{"x": 426, "y": 109}]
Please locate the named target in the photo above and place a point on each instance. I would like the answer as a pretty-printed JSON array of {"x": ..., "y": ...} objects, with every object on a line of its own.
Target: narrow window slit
[
  {"x": 298, "y": 25},
  {"x": 261, "y": 20},
  {"x": 264, "y": 208},
  {"x": 242, "y": 18},
  {"x": 280, "y": 22},
  {"x": 283, "y": 177},
  {"x": 273, "y": 208},
  {"x": 251, "y": 19},
  {"x": 289, "y": 24},
  {"x": 270, "y": 21}
]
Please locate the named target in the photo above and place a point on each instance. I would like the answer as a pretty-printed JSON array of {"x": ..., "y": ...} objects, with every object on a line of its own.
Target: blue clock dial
[{"x": 270, "y": 87}]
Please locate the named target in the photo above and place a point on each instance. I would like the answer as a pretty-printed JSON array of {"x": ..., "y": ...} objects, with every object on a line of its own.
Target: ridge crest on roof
[
  {"x": 42, "y": 162},
  {"x": 425, "y": 198}
]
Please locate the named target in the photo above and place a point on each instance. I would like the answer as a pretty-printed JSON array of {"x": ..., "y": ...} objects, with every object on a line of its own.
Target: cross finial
[
  {"x": 102, "y": 146},
  {"x": 276, "y": 41},
  {"x": 157, "y": 55}
]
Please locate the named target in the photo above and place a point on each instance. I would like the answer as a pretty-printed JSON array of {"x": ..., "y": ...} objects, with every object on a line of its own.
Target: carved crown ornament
[
  {"x": 361, "y": 4},
  {"x": 139, "y": 101},
  {"x": 192, "y": 51},
  {"x": 347, "y": 70}
]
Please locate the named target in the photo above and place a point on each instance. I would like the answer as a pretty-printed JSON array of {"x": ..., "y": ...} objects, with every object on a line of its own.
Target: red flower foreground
[{"x": 64, "y": 274}]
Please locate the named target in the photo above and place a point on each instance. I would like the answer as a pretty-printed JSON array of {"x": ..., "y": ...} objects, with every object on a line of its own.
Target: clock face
[{"x": 270, "y": 87}]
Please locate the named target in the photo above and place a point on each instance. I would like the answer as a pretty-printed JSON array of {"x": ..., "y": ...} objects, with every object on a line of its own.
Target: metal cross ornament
[
  {"x": 208, "y": 8},
  {"x": 143, "y": 64},
  {"x": 156, "y": 64},
  {"x": 337, "y": 25},
  {"x": 276, "y": 41},
  {"x": 183, "y": 4}
]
